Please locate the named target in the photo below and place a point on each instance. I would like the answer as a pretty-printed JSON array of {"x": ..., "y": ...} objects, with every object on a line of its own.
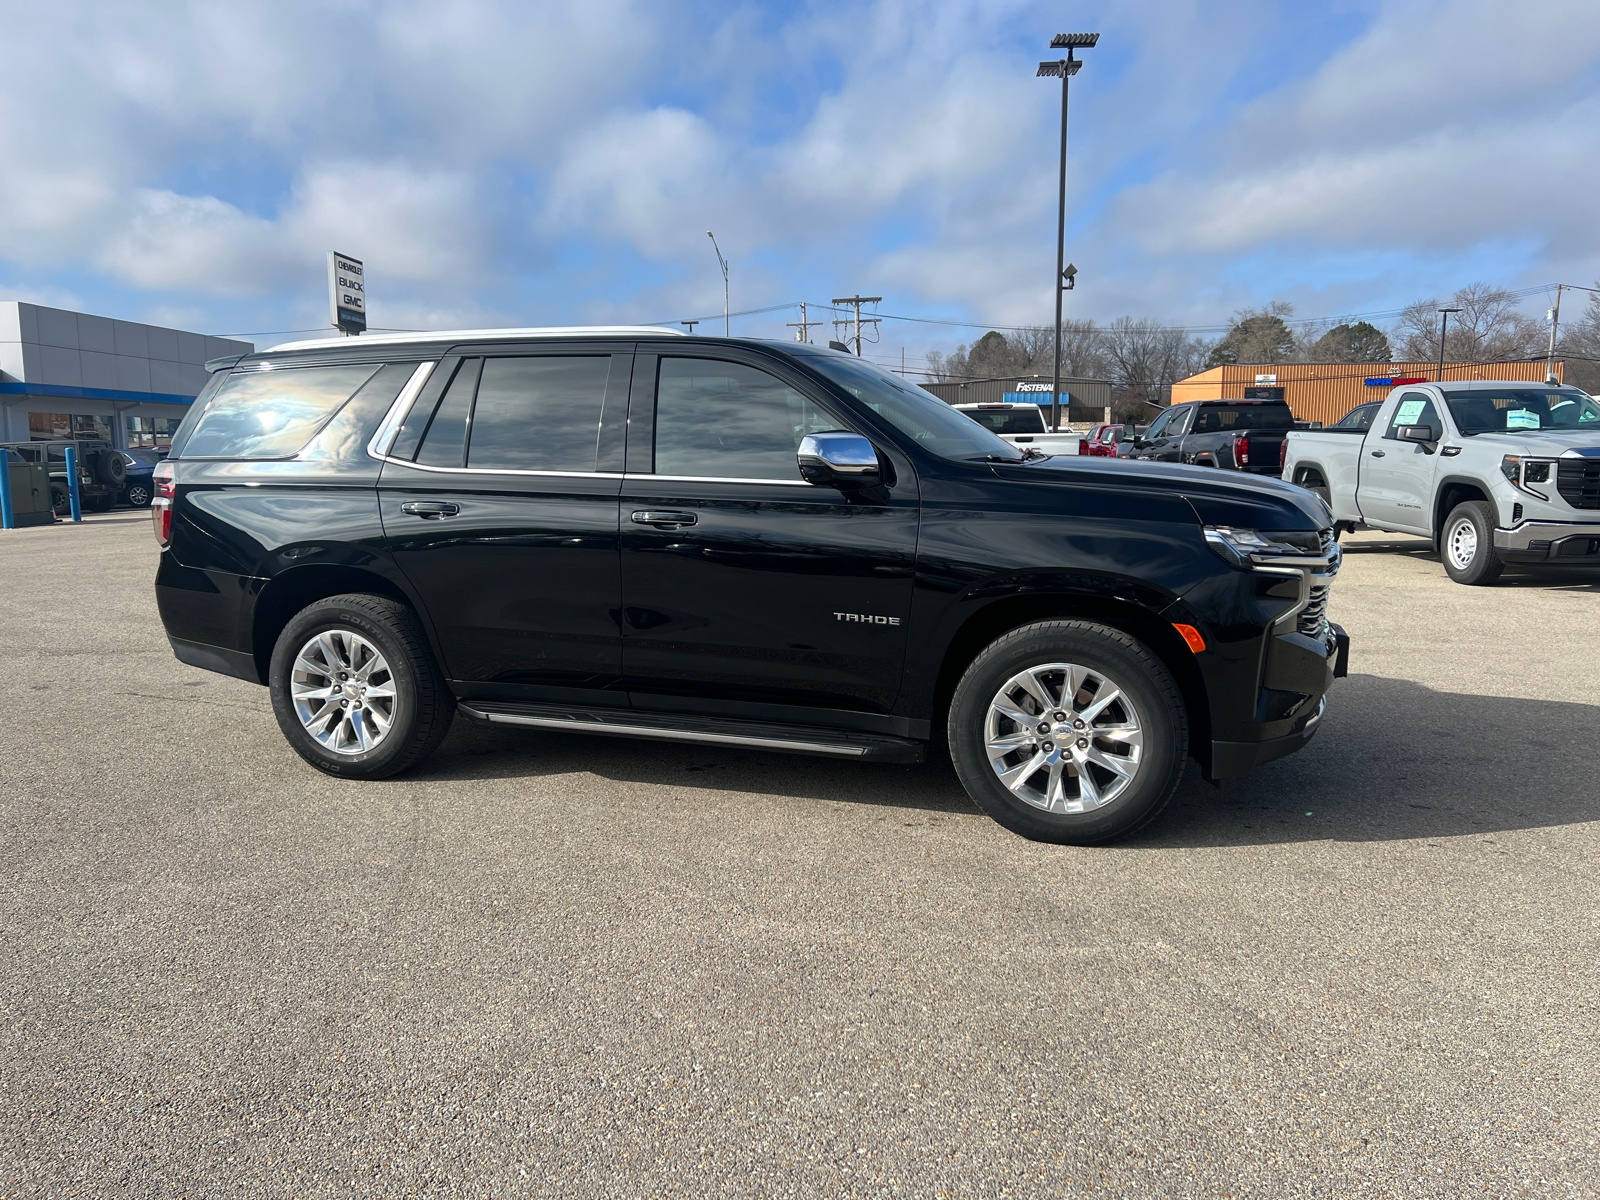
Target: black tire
[
  {"x": 422, "y": 706},
  {"x": 139, "y": 495},
  {"x": 1117, "y": 658},
  {"x": 99, "y": 503},
  {"x": 110, "y": 468},
  {"x": 1466, "y": 544},
  {"x": 60, "y": 501}
]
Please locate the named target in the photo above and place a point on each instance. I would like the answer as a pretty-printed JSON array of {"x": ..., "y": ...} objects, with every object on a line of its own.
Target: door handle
[
  {"x": 430, "y": 508},
  {"x": 669, "y": 520},
  {"x": 1377, "y": 454}
]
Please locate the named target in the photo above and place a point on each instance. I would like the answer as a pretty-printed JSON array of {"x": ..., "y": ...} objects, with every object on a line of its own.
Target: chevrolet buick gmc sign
[{"x": 347, "y": 292}]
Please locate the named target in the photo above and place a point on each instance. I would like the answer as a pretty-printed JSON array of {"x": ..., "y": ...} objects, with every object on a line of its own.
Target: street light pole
[
  {"x": 723, "y": 263},
  {"x": 1444, "y": 321},
  {"x": 1065, "y": 69}
]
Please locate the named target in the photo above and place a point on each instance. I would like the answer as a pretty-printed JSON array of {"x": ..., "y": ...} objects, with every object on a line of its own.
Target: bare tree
[
  {"x": 1145, "y": 358},
  {"x": 1026, "y": 351},
  {"x": 1489, "y": 328},
  {"x": 1579, "y": 347}
]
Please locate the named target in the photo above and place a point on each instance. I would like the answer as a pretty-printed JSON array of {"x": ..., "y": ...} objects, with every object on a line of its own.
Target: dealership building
[
  {"x": 72, "y": 375},
  {"x": 1326, "y": 391},
  {"x": 1087, "y": 401}
]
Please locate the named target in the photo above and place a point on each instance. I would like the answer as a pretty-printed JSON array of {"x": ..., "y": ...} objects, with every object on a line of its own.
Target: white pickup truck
[
  {"x": 1493, "y": 472},
  {"x": 1022, "y": 425}
]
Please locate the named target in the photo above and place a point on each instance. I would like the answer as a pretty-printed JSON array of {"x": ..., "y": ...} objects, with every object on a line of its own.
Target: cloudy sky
[{"x": 516, "y": 163}]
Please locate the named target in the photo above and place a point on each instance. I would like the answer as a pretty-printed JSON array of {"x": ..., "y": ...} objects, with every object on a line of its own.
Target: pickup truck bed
[{"x": 1232, "y": 435}]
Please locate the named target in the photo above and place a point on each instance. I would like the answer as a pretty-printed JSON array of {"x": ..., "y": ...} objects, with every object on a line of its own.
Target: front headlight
[
  {"x": 1523, "y": 472},
  {"x": 1242, "y": 547}
]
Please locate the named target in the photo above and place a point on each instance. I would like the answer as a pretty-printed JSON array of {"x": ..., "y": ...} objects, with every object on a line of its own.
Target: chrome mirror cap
[{"x": 836, "y": 457}]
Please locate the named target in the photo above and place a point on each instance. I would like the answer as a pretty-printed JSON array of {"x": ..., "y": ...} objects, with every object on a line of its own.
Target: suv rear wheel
[
  {"x": 1467, "y": 546},
  {"x": 355, "y": 688},
  {"x": 1068, "y": 732}
]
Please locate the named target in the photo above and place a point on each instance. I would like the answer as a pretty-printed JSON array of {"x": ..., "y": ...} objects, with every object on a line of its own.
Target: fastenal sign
[{"x": 347, "y": 292}]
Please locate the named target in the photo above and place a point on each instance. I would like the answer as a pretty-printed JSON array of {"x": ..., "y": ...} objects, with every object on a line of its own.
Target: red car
[{"x": 1102, "y": 441}]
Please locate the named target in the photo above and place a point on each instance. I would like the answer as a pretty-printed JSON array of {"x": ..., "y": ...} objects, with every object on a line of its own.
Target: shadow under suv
[{"x": 757, "y": 544}]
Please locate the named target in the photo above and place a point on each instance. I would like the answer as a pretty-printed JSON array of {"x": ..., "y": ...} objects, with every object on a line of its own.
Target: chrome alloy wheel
[
  {"x": 343, "y": 691},
  {"x": 1064, "y": 738},
  {"x": 1461, "y": 544}
]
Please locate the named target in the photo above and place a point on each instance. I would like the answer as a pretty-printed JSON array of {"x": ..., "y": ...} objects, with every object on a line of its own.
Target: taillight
[
  {"x": 1283, "y": 453},
  {"x": 1241, "y": 451},
  {"x": 1083, "y": 445},
  {"x": 161, "y": 502}
]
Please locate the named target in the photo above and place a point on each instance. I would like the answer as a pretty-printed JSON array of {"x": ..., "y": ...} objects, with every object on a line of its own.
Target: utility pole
[
  {"x": 1444, "y": 321},
  {"x": 690, "y": 324},
  {"x": 858, "y": 301},
  {"x": 802, "y": 327},
  {"x": 1064, "y": 69},
  {"x": 723, "y": 263},
  {"x": 1555, "y": 323}
]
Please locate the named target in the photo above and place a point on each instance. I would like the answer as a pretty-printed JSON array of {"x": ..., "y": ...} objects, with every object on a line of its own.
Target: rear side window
[
  {"x": 1222, "y": 420},
  {"x": 444, "y": 443},
  {"x": 538, "y": 413},
  {"x": 724, "y": 420},
  {"x": 271, "y": 414}
]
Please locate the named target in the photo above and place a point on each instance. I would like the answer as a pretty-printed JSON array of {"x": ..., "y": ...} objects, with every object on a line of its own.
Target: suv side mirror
[{"x": 839, "y": 459}]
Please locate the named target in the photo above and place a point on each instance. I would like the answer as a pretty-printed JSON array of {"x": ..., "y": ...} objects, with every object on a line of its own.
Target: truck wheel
[
  {"x": 60, "y": 501},
  {"x": 355, "y": 688},
  {"x": 1068, "y": 732},
  {"x": 1467, "y": 545},
  {"x": 139, "y": 495}
]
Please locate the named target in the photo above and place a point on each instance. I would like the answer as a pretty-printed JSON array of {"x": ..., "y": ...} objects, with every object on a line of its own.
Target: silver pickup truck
[
  {"x": 1494, "y": 472},
  {"x": 1022, "y": 425}
]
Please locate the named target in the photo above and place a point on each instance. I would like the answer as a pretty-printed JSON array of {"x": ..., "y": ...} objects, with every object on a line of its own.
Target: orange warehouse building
[{"x": 1326, "y": 391}]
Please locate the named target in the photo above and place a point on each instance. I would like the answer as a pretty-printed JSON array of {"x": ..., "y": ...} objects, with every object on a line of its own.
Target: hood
[
  {"x": 1542, "y": 443},
  {"x": 1217, "y": 497}
]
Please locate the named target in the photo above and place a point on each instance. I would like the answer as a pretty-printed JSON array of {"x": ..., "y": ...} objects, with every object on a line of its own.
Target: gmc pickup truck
[
  {"x": 1234, "y": 435},
  {"x": 758, "y": 545},
  {"x": 1493, "y": 472}
]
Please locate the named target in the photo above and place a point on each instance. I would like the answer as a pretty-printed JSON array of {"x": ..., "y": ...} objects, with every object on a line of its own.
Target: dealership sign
[{"x": 347, "y": 292}]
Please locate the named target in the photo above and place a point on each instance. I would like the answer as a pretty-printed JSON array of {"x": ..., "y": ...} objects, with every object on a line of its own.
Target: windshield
[
  {"x": 1001, "y": 420},
  {"x": 920, "y": 415},
  {"x": 1512, "y": 410}
]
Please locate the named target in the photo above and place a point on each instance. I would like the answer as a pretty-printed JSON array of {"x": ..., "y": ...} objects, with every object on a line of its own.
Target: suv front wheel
[
  {"x": 355, "y": 688},
  {"x": 1068, "y": 732}
]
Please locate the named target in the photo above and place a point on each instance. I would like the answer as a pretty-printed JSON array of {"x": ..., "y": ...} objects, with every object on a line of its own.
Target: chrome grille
[{"x": 1313, "y": 618}]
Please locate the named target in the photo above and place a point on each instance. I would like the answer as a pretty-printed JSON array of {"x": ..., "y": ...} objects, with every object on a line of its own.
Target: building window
[
  {"x": 151, "y": 433},
  {"x": 62, "y": 427}
]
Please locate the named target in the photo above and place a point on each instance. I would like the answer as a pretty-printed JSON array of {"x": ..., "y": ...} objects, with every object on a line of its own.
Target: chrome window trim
[
  {"x": 719, "y": 479},
  {"x": 378, "y": 447},
  {"x": 400, "y": 462}
]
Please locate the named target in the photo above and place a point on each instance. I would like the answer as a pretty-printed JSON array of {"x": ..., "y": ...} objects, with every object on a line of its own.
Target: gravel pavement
[{"x": 545, "y": 965}]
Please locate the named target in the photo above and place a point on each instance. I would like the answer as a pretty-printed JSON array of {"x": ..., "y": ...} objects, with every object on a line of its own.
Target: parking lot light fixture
[
  {"x": 723, "y": 263},
  {"x": 1444, "y": 320},
  {"x": 1063, "y": 69}
]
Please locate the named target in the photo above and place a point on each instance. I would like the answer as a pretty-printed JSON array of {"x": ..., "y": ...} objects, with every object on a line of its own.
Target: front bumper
[
  {"x": 1541, "y": 541},
  {"x": 1295, "y": 669}
]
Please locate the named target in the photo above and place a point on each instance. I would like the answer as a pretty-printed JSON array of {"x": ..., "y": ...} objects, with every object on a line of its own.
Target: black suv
[{"x": 745, "y": 543}]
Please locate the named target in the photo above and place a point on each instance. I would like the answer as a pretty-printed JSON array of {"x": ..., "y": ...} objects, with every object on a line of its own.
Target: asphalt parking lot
[{"x": 548, "y": 965}]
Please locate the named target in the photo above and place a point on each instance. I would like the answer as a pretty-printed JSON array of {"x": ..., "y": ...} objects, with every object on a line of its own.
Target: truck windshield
[
  {"x": 1513, "y": 410},
  {"x": 920, "y": 415},
  {"x": 1267, "y": 416},
  {"x": 1007, "y": 420}
]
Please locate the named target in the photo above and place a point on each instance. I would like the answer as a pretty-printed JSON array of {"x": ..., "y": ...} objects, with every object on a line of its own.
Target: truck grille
[
  {"x": 1579, "y": 482},
  {"x": 1313, "y": 618}
]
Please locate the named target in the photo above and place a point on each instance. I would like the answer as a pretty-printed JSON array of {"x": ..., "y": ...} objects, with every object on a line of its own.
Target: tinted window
[
  {"x": 271, "y": 414},
  {"x": 1265, "y": 416},
  {"x": 1015, "y": 420},
  {"x": 921, "y": 416},
  {"x": 444, "y": 443},
  {"x": 352, "y": 428},
  {"x": 539, "y": 414},
  {"x": 1358, "y": 418},
  {"x": 1158, "y": 427},
  {"x": 729, "y": 421},
  {"x": 1415, "y": 408}
]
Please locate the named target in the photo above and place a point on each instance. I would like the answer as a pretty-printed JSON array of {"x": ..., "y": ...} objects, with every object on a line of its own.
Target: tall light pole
[
  {"x": 723, "y": 263},
  {"x": 1064, "y": 69},
  {"x": 1444, "y": 321}
]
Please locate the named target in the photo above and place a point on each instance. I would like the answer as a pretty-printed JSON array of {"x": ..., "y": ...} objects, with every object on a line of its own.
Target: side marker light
[{"x": 1191, "y": 635}]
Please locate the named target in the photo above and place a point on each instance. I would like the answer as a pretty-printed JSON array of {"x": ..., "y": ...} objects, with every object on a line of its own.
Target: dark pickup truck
[
  {"x": 758, "y": 545},
  {"x": 1235, "y": 435}
]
